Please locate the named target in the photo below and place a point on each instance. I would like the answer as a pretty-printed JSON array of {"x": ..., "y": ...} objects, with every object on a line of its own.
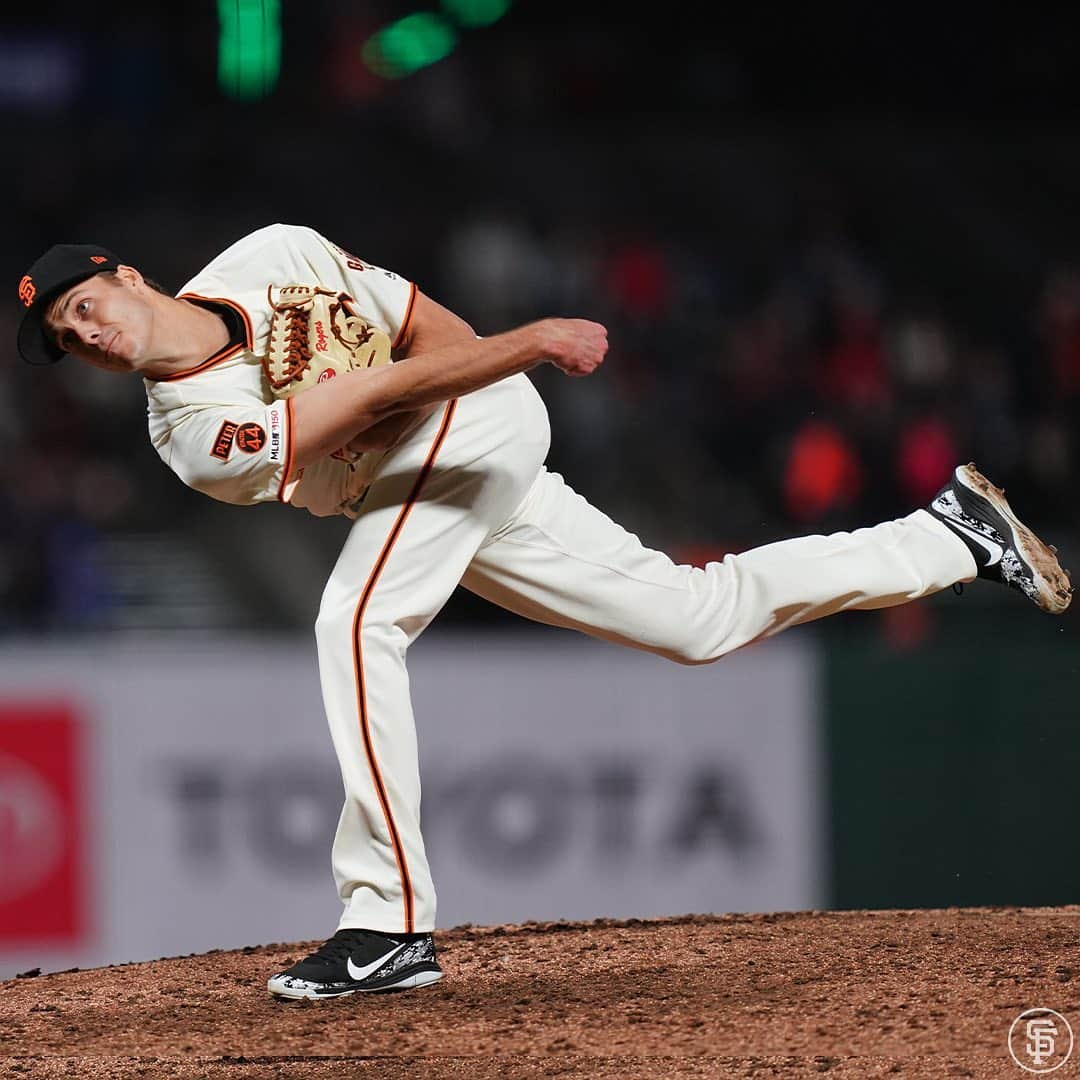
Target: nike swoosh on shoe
[
  {"x": 361, "y": 973},
  {"x": 995, "y": 551}
]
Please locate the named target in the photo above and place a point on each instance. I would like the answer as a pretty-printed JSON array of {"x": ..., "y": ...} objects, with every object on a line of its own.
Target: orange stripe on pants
[{"x": 358, "y": 662}]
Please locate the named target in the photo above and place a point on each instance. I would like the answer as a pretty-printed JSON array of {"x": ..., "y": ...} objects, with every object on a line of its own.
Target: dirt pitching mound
[{"x": 852, "y": 994}]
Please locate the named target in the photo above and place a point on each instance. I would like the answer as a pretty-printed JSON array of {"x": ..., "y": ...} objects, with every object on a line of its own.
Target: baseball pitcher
[{"x": 289, "y": 370}]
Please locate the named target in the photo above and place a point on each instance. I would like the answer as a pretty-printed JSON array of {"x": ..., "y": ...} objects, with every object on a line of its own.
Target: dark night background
[{"x": 836, "y": 250}]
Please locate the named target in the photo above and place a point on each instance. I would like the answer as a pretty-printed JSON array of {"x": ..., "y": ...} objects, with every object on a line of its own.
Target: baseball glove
[{"x": 315, "y": 335}]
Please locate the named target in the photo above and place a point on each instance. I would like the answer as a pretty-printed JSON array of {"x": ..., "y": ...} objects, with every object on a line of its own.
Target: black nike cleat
[
  {"x": 1004, "y": 548},
  {"x": 358, "y": 961}
]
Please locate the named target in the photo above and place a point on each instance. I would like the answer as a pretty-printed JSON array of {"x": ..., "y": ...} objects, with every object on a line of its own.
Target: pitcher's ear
[{"x": 128, "y": 274}]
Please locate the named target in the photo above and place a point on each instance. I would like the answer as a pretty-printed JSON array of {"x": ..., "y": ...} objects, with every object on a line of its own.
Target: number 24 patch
[{"x": 250, "y": 438}]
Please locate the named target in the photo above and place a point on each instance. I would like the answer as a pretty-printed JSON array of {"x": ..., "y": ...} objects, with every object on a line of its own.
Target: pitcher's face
[{"x": 105, "y": 320}]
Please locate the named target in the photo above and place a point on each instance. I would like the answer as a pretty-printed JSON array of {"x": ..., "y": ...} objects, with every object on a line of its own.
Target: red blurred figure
[
  {"x": 926, "y": 452},
  {"x": 639, "y": 280},
  {"x": 823, "y": 472}
]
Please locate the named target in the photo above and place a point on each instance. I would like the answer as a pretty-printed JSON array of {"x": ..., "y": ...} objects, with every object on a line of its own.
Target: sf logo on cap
[{"x": 27, "y": 292}]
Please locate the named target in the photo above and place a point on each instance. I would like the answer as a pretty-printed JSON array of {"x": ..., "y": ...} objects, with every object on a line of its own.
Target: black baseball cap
[{"x": 62, "y": 266}]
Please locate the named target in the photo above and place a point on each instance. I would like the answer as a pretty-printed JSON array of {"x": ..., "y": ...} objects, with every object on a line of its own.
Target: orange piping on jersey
[
  {"x": 358, "y": 662},
  {"x": 290, "y": 442},
  {"x": 229, "y": 350},
  {"x": 408, "y": 315}
]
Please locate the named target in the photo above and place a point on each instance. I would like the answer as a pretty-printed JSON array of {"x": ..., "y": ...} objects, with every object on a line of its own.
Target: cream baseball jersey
[{"x": 218, "y": 426}]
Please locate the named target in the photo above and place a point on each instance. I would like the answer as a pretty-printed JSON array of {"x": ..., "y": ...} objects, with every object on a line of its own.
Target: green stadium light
[
  {"x": 409, "y": 44},
  {"x": 249, "y": 47},
  {"x": 474, "y": 13},
  {"x": 424, "y": 38}
]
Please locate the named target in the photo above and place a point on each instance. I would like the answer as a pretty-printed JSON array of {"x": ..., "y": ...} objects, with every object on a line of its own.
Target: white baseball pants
[{"x": 467, "y": 501}]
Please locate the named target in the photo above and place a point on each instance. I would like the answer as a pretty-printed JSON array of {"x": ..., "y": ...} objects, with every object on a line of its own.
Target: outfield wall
[{"x": 172, "y": 796}]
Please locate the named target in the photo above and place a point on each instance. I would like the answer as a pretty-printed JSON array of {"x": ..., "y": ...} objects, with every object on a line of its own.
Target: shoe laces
[{"x": 343, "y": 944}]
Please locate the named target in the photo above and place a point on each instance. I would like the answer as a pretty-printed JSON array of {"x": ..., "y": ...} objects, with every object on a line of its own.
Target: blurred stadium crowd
[{"x": 814, "y": 311}]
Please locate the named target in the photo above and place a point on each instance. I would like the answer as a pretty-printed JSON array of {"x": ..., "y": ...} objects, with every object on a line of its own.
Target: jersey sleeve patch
[
  {"x": 223, "y": 444},
  {"x": 240, "y": 454},
  {"x": 250, "y": 438},
  {"x": 280, "y": 437}
]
